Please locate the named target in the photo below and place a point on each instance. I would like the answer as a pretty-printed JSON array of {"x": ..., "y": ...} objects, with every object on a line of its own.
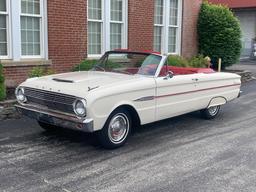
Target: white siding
[{"x": 248, "y": 25}]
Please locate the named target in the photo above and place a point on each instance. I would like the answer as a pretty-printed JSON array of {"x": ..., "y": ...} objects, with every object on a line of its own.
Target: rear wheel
[
  {"x": 47, "y": 126},
  {"x": 211, "y": 112},
  {"x": 116, "y": 130}
]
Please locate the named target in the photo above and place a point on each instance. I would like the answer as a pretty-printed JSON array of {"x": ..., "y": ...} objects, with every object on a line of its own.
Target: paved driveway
[
  {"x": 249, "y": 65},
  {"x": 179, "y": 154}
]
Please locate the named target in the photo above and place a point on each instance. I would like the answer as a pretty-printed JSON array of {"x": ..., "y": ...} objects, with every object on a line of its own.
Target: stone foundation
[{"x": 7, "y": 110}]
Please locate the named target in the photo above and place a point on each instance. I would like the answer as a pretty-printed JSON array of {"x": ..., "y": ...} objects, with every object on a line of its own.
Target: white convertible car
[{"x": 125, "y": 89}]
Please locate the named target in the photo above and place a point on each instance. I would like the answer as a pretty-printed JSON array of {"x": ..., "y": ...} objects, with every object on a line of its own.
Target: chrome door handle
[{"x": 195, "y": 79}]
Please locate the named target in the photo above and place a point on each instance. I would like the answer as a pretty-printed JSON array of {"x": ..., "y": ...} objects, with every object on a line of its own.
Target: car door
[{"x": 176, "y": 95}]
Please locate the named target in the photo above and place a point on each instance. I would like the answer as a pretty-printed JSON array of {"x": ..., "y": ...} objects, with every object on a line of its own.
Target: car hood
[{"x": 78, "y": 83}]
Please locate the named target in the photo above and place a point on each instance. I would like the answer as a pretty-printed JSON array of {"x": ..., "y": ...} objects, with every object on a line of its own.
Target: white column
[
  {"x": 44, "y": 31},
  {"x": 179, "y": 34},
  {"x": 166, "y": 26},
  {"x": 107, "y": 25},
  {"x": 15, "y": 29}
]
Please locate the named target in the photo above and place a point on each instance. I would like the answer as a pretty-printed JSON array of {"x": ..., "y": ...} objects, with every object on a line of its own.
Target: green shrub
[
  {"x": 178, "y": 61},
  {"x": 40, "y": 71},
  {"x": 113, "y": 65},
  {"x": 198, "y": 62},
  {"x": 2, "y": 85},
  {"x": 219, "y": 34},
  {"x": 85, "y": 65}
]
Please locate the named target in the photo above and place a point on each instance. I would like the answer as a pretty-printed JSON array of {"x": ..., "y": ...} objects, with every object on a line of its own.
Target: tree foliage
[{"x": 219, "y": 34}]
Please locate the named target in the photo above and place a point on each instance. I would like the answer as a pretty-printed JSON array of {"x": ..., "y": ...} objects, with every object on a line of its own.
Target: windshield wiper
[
  {"x": 125, "y": 72},
  {"x": 99, "y": 67}
]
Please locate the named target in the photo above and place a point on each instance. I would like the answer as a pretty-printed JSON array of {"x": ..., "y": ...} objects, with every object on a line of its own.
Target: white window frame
[
  {"x": 106, "y": 21},
  {"x": 8, "y": 23},
  {"x": 42, "y": 26},
  {"x": 102, "y": 27},
  {"x": 14, "y": 31},
  {"x": 166, "y": 25}
]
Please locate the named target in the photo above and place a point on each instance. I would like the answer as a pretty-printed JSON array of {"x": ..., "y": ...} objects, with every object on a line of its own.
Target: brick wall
[
  {"x": 140, "y": 25},
  {"x": 189, "y": 30},
  {"x": 15, "y": 75},
  {"x": 67, "y": 39},
  {"x": 67, "y": 33}
]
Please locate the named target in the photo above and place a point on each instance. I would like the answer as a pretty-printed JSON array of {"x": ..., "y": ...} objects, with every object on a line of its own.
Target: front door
[{"x": 175, "y": 96}]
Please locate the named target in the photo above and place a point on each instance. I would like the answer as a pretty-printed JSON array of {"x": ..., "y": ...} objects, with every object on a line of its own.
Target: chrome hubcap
[
  {"x": 213, "y": 110},
  {"x": 118, "y": 128}
]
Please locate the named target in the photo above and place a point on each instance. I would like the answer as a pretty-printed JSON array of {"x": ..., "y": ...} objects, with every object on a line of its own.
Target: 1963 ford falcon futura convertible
[{"x": 124, "y": 89}]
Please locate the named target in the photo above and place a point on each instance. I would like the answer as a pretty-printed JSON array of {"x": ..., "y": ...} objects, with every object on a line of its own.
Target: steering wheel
[{"x": 148, "y": 69}]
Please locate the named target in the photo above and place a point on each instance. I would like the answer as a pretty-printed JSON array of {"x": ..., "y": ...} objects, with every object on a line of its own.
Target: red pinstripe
[{"x": 200, "y": 90}]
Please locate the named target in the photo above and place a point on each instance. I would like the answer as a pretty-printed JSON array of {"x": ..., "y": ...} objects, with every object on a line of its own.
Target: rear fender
[{"x": 216, "y": 101}]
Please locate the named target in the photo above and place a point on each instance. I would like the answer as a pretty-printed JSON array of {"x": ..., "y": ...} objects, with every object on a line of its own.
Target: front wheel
[
  {"x": 211, "y": 112},
  {"x": 116, "y": 130}
]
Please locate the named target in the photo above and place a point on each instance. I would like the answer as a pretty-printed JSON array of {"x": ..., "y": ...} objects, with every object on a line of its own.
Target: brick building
[
  {"x": 60, "y": 33},
  {"x": 245, "y": 10}
]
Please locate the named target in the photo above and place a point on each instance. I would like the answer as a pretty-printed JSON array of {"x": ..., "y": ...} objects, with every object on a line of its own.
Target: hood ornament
[{"x": 92, "y": 88}]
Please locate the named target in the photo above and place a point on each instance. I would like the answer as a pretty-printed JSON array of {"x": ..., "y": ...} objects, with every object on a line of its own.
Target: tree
[{"x": 219, "y": 34}]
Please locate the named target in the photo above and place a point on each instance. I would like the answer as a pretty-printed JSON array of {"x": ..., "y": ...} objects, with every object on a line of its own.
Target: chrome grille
[{"x": 51, "y": 100}]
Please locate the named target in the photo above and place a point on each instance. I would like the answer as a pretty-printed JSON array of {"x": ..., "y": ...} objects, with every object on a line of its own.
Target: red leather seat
[{"x": 185, "y": 70}]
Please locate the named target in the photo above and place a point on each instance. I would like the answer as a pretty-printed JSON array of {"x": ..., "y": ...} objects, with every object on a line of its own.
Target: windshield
[{"x": 129, "y": 63}]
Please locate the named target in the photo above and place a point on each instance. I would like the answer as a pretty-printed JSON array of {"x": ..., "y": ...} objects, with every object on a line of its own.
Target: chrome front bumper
[{"x": 56, "y": 118}]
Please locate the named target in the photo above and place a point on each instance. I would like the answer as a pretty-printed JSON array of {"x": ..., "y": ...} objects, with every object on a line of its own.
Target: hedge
[
  {"x": 39, "y": 72},
  {"x": 87, "y": 65},
  {"x": 2, "y": 85},
  {"x": 198, "y": 61},
  {"x": 219, "y": 34}
]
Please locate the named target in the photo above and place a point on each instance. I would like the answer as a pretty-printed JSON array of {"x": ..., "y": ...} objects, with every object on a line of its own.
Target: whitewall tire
[
  {"x": 211, "y": 112},
  {"x": 116, "y": 130}
]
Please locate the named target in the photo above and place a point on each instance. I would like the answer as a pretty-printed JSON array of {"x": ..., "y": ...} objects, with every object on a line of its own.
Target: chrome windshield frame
[{"x": 162, "y": 61}]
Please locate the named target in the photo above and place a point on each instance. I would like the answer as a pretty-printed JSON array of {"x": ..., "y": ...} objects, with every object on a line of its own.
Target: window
[
  {"x": 167, "y": 26},
  {"x": 3, "y": 29},
  {"x": 30, "y": 28},
  {"x": 95, "y": 26},
  {"x": 25, "y": 37},
  {"x": 116, "y": 24},
  {"x": 107, "y": 26},
  {"x": 158, "y": 28}
]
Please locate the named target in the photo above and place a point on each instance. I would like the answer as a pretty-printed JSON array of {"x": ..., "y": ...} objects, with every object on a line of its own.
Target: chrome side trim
[{"x": 148, "y": 98}]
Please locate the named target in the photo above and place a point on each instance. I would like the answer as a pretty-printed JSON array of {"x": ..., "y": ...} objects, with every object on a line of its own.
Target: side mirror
[{"x": 169, "y": 75}]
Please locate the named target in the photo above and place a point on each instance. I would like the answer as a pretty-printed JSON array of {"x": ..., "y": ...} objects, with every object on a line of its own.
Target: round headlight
[
  {"x": 20, "y": 95},
  {"x": 80, "y": 107}
]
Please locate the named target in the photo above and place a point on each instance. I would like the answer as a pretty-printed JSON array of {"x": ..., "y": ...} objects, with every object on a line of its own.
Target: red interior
[
  {"x": 132, "y": 70},
  {"x": 185, "y": 70},
  {"x": 176, "y": 70}
]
